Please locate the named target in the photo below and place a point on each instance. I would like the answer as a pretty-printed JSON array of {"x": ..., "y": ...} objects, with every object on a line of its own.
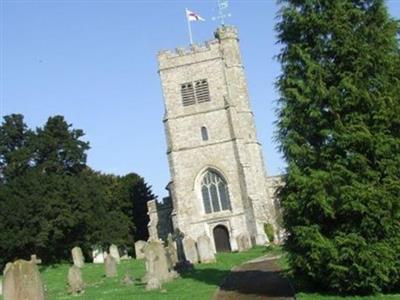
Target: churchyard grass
[{"x": 201, "y": 283}]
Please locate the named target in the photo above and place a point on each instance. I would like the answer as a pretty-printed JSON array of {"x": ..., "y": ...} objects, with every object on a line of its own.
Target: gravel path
[{"x": 256, "y": 280}]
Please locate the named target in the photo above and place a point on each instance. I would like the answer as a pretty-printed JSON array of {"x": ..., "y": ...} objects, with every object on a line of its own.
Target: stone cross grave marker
[
  {"x": 35, "y": 260},
  {"x": 157, "y": 267}
]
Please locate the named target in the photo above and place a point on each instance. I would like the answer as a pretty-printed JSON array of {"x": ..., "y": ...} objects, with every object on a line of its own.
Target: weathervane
[{"x": 222, "y": 11}]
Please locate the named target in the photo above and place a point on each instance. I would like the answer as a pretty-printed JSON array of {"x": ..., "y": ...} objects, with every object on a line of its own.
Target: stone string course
[{"x": 232, "y": 150}]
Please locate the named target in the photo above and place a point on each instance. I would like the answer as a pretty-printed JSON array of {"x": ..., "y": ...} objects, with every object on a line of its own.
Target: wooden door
[{"x": 221, "y": 239}]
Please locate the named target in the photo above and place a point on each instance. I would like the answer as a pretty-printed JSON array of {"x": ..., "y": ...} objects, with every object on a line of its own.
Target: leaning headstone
[
  {"x": 22, "y": 281},
  {"x": 139, "y": 249},
  {"x": 110, "y": 266},
  {"x": 189, "y": 246},
  {"x": 115, "y": 253},
  {"x": 157, "y": 268},
  {"x": 76, "y": 285},
  {"x": 206, "y": 252},
  {"x": 77, "y": 257},
  {"x": 98, "y": 255},
  {"x": 243, "y": 242}
]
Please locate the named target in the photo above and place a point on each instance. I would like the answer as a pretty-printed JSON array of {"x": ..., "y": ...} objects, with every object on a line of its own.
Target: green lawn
[{"x": 200, "y": 283}]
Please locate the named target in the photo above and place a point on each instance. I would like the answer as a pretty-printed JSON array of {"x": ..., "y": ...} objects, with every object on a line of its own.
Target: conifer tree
[{"x": 339, "y": 130}]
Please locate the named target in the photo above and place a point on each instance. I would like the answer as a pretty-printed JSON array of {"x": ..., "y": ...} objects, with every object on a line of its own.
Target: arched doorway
[{"x": 221, "y": 239}]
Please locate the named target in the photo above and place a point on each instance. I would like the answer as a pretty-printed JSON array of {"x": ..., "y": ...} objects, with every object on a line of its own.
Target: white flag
[{"x": 192, "y": 16}]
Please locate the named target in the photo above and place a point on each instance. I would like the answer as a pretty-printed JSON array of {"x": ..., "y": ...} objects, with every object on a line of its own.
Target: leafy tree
[
  {"x": 135, "y": 191},
  {"x": 339, "y": 129}
]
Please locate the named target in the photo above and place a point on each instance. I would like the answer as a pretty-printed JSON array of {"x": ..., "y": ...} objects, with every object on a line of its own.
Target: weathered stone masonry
[{"x": 217, "y": 170}]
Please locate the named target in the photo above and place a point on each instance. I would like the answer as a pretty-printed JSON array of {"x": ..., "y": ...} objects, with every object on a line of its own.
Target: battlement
[
  {"x": 226, "y": 32},
  {"x": 182, "y": 51},
  {"x": 196, "y": 52}
]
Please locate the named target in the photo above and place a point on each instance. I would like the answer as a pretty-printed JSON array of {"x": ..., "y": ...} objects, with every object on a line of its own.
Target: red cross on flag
[{"x": 192, "y": 16}]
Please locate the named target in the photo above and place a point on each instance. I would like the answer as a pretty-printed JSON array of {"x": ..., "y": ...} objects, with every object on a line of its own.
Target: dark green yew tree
[
  {"x": 136, "y": 193},
  {"x": 51, "y": 201},
  {"x": 339, "y": 130}
]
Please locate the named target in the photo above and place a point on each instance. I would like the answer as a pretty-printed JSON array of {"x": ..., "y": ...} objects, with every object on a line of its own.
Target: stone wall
[{"x": 232, "y": 149}]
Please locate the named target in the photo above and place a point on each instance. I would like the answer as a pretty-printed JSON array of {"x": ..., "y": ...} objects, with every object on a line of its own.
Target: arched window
[
  {"x": 204, "y": 133},
  {"x": 215, "y": 192}
]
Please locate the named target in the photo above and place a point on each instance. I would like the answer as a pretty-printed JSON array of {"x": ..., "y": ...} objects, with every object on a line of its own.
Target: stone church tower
[{"x": 218, "y": 182}]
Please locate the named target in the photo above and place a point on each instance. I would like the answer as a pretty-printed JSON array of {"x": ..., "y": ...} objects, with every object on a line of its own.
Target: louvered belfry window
[
  {"x": 197, "y": 92},
  {"x": 187, "y": 92},
  {"x": 202, "y": 92}
]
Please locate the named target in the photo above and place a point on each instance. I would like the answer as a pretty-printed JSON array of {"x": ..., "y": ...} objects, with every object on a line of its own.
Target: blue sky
[{"x": 94, "y": 62}]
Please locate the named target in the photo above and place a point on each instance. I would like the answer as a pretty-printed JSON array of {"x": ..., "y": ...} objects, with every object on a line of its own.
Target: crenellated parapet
[
  {"x": 185, "y": 55},
  {"x": 197, "y": 52}
]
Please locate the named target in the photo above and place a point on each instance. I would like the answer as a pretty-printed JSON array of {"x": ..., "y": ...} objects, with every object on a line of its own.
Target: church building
[{"x": 218, "y": 182}]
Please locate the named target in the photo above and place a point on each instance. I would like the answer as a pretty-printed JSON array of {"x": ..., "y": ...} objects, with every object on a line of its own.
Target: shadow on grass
[
  {"x": 209, "y": 276},
  {"x": 262, "y": 278}
]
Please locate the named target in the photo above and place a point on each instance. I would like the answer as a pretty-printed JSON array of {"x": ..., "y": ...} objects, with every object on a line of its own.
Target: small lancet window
[{"x": 204, "y": 133}]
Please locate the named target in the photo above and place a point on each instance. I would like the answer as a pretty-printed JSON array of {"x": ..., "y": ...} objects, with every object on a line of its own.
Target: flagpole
[{"x": 189, "y": 27}]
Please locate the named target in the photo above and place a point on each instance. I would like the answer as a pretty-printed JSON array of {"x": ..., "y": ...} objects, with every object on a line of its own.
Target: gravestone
[
  {"x": 114, "y": 252},
  {"x": 1, "y": 287},
  {"x": 110, "y": 266},
  {"x": 77, "y": 257},
  {"x": 8, "y": 265},
  {"x": 35, "y": 260},
  {"x": 204, "y": 247},
  {"x": 125, "y": 255},
  {"x": 139, "y": 249},
  {"x": 157, "y": 268},
  {"x": 189, "y": 246},
  {"x": 127, "y": 280},
  {"x": 98, "y": 255},
  {"x": 75, "y": 283},
  {"x": 243, "y": 242},
  {"x": 22, "y": 281},
  {"x": 153, "y": 284},
  {"x": 172, "y": 254}
]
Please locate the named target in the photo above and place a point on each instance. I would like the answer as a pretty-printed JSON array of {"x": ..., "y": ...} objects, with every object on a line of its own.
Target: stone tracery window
[{"x": 215, "y": 192}]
